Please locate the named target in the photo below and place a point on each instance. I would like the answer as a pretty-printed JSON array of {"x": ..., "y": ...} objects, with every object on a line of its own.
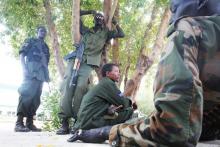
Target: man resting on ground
[{"x": 104, "y": 105}]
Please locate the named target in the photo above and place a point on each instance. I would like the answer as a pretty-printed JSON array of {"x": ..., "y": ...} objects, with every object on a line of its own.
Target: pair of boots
[
  {"x": 98, "y": 135},
  {"x": 20, "y": 127},
  {"x": 64, "y": 129}
]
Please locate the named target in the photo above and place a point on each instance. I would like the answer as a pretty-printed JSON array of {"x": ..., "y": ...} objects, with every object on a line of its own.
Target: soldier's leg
[
  {"x": 66, "y": 101},
  {"x": 66, "y": 93},
  {"x": 81, "y": 87},
  {"x": 27, "y": 91},
  {"x": 178, "y": 98},
  {"x": 123, "y": 116},
  {"x": 35, "y": 105}
]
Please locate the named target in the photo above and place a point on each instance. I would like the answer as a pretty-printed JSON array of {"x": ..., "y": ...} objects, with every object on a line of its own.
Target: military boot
[
  {"x": 64, "y": 129},
  {"x": 98, "y": 135},
  {"x": 30, "y": 125},
  {"x": 19, "y": 126}
]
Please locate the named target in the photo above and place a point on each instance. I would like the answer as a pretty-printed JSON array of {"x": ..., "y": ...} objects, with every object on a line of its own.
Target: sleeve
[
  {"x": 25, "y": 46},
  {"x": 112, "y": 34},
  {"x": 48, "y": 53},
  {"x": 110, "y": 92}
]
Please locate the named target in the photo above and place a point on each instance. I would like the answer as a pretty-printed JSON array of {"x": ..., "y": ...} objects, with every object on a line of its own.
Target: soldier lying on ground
[
  {"x": 186, "y": 86},
  {"x": 104, "y": 105}
]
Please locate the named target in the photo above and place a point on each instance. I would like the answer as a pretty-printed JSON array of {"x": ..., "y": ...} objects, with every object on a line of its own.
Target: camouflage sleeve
[
  {"x": 178, "y": 97},
  {"x": 25, "y": 46}
]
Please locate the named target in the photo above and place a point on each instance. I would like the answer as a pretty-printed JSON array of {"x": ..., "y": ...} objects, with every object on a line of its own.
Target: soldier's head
[
  {"x": 41, "y": 32},
  {"x": 183, "y": 8},
  {"x": 99, "y": 19},
  {"x": 111, "y": 71}
]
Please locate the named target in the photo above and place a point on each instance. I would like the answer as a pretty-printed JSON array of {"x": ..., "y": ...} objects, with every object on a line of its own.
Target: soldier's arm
[
  {"x": 87, "y": 12},
  {"x": 23, "y": 64},
  {"x": 117, "y": 33},
  {"x": 22, "y": 52},
  {"x": 115, "y": 96}
]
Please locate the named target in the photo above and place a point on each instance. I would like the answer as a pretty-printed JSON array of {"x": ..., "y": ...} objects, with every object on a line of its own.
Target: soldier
[
  {"x": 94, "y": 40},
  {"x": 104, "y": 104},
  {"x": 186, "y": 86},
  {"x": 34, "y": 56}
]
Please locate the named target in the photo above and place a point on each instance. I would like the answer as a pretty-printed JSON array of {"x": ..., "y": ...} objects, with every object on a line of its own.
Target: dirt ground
[{"x": 9, "y": 138}]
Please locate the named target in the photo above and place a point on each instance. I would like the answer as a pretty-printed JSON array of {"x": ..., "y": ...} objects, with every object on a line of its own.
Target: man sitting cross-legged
[{"x": 104, "y": 105}]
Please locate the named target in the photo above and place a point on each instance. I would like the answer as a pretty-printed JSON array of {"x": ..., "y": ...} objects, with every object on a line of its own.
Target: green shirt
[
  {"x": 37, "y": 57},
  {"x": 94, "y": 43},
  {"x": 96, "y": 102}
]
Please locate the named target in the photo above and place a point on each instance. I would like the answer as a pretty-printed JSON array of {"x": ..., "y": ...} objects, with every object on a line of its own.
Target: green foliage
[{"x": 50, "y": 110}]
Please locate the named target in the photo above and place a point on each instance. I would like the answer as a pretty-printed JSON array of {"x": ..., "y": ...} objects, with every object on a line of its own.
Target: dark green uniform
[
  {"x": 37, "y": 56},
  {"x": 95, "y": 105},
  {"x": 186, "y": 85},
  {"x": 94, "y": 43}
]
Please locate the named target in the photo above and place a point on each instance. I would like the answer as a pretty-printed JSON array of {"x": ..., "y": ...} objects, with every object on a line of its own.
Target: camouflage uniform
[
  {"x": 37, "y": 58},
  {"x": 187, "y": 83}
]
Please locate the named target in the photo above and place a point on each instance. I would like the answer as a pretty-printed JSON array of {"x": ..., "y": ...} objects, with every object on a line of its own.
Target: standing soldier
[
  {"x": 34, "y": 56},
  {"x": 93, "y": 40}
]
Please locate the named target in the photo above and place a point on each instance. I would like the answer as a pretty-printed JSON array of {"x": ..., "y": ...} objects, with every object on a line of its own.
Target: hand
[
  {"x": 112, "y": 109},
  {"x": 134, "y": 105},
  {"x": 114, "y": 21}
]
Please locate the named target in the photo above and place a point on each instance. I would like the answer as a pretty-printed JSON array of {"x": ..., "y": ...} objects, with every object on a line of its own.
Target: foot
[
  {"x": 21, "y": 128},
  {"x": 63, "y": 131},
  {"x": 75, "y": 137},
  {"x": 33, "y": 128}
]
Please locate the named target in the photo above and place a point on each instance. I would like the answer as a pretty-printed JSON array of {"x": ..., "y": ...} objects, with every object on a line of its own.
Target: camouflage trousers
[{"x": 178, "y": 88}]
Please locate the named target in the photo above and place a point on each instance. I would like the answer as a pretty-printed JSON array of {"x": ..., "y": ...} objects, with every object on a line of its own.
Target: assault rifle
[{"x": 78, "y": 53}]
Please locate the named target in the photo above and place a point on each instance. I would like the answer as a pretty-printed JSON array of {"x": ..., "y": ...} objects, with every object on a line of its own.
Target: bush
[{"x": 50, "y": 110}]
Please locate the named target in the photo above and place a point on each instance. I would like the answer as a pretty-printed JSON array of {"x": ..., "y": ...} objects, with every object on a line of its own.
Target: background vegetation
[{"x": 137, "y": 53}]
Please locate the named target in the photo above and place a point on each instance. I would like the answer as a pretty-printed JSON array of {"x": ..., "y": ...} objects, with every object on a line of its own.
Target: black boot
[
  {"x": 19, "y": 126},
  {"x": 64, "y": 129},
  {"x": 30, "y": 125},
  {"x": 98, "y": 135}
]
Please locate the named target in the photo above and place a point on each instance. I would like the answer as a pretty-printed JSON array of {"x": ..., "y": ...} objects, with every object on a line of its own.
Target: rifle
[{"x": 79, "y": 53}]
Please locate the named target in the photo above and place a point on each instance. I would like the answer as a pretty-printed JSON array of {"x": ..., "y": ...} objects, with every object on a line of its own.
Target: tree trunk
[
  {"x": 75, "y": 21},
  {"x": 146, "y": 62},
  {"x": 115, "y": 45},
  {"x": 107, "y": 5},
  {"x": 108, "y": 10},
  {"x": 54, "y": 38}
]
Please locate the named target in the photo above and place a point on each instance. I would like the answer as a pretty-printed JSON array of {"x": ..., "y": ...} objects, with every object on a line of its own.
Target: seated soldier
[{"x": 104, "y": 104}]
